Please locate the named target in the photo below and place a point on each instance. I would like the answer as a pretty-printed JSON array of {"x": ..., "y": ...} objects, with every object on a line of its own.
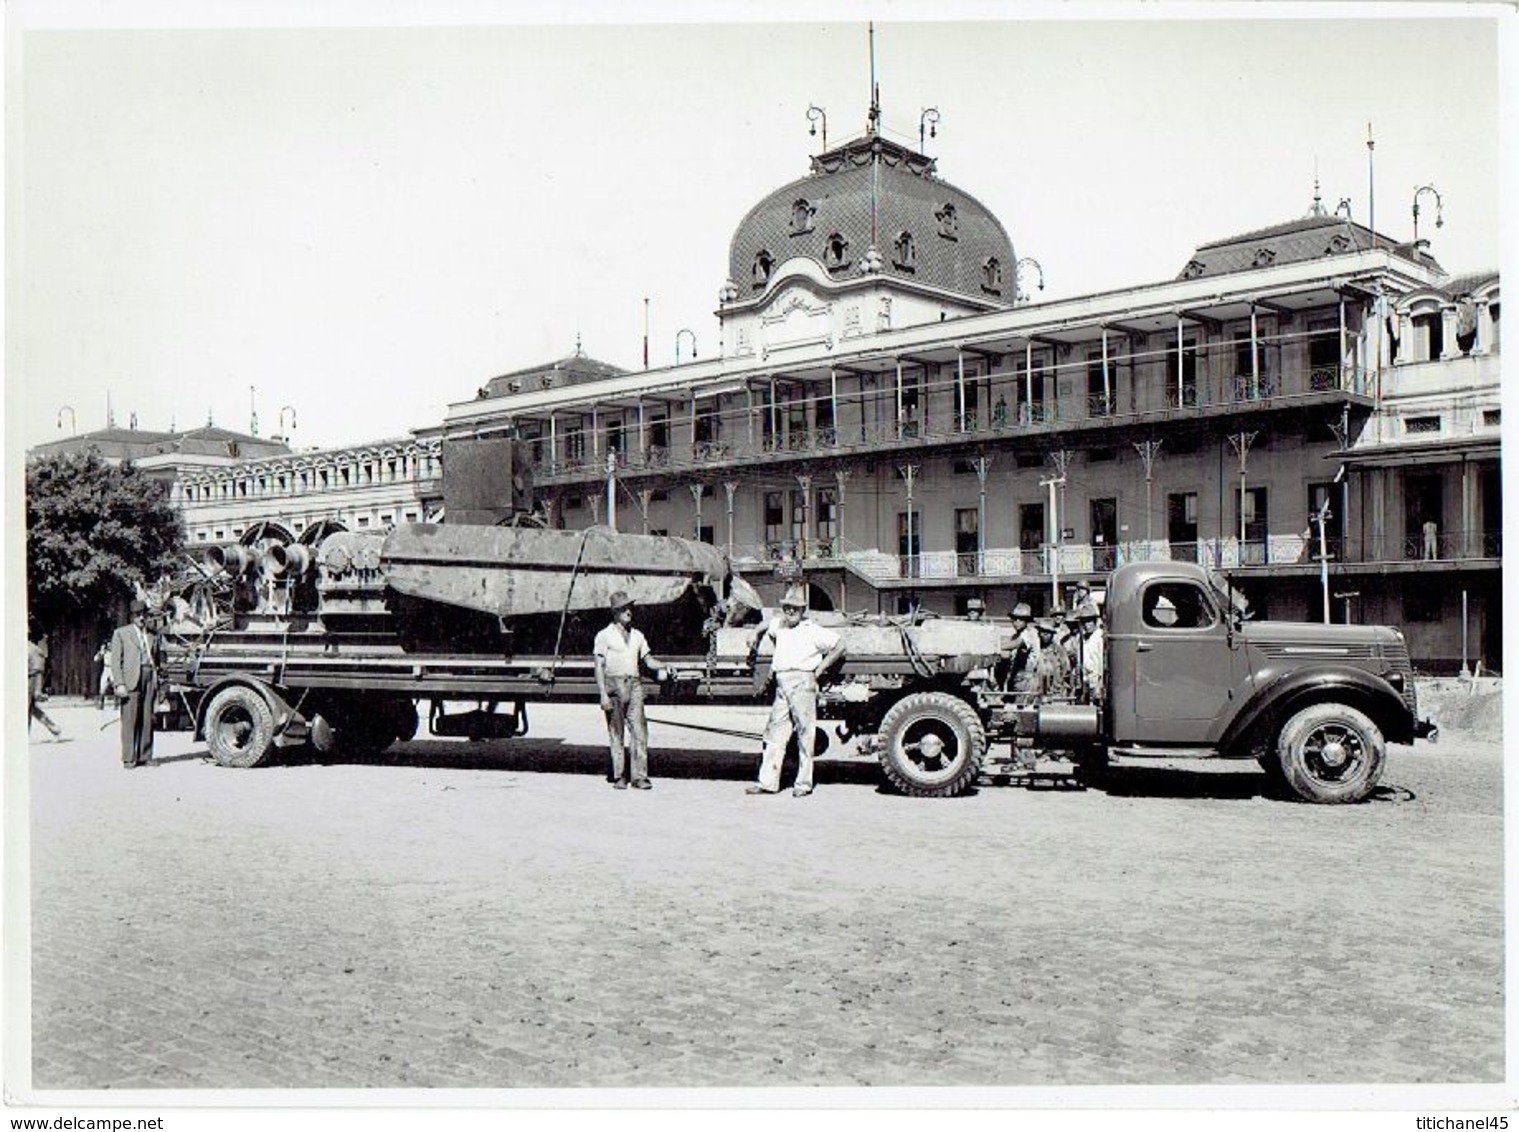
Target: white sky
[{"x": 367, "y": 223}]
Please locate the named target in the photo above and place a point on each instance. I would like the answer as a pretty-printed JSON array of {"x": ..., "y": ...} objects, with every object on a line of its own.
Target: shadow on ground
[{"x": 549, "y": 756}]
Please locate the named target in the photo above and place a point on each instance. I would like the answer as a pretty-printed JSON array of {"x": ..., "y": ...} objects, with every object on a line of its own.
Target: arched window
[
  {"x": 905, "y": 252},
  {"x": 801, "y": 216},
  {"x": 764, "y": 264},
  {"x": 949, "y": 222},
  {"x": 991, "y": 275},
  {"x": 836, "y": 252}
]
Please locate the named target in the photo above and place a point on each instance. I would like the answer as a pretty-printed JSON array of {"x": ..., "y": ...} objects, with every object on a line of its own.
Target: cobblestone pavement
[{"x": 495, "y": 915}]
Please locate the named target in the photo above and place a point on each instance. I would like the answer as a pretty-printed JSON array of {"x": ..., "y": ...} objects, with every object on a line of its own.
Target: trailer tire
[
  {"x": 239, "y": 728},
  {"x": 1331, "y": 753},
  {"x": 931, "y": 745}
]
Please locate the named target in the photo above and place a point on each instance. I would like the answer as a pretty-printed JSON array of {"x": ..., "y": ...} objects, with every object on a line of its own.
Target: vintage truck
[{"x": 346, "y": 640}]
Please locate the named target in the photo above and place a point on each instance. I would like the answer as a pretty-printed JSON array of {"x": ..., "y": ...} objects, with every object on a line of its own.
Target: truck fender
[
  {"x": 1292, "y": 691},
  {"x": 278, "y": 707}
]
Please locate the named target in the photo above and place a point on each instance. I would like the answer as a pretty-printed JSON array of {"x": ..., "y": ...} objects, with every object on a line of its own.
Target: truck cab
[{"x": 1189, "y": 672}]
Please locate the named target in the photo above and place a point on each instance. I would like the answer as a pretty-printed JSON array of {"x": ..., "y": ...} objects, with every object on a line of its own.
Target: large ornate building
[{"x": 889, "y": 415}]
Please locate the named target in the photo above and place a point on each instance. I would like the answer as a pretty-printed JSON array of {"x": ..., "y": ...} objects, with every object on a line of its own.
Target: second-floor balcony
[
  {"x": 1004, "y": 564},
  {"x": 572, "y": 457}
]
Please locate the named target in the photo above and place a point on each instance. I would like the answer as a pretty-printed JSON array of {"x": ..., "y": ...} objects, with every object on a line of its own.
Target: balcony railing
[
  {"x": 1008, "y": 418},
  {"x": 995, "y": 564}
]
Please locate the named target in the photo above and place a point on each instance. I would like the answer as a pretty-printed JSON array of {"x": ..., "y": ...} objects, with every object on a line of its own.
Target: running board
[{"x": 1139, "y": 752}]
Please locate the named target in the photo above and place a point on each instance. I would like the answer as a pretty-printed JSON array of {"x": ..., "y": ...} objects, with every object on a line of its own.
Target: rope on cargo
[{"x": 565, "y": 612}]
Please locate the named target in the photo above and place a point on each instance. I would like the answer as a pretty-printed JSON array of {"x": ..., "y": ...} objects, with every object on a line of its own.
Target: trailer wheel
[
  {"x": 239, "y": 728},
  {"x": 931, "y": 745},
  {"x": 1331, "y": 753}
]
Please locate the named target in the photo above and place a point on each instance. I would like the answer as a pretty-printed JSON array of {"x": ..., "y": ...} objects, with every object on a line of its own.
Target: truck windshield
[{"x": 1231, "y": 596}]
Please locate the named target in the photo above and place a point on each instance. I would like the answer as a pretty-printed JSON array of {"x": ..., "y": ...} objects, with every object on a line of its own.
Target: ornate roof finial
[{"x": 1318, "y": 204}]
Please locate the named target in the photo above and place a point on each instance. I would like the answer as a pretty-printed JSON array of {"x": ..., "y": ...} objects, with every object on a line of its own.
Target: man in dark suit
[{"x": 134, "y": 677}]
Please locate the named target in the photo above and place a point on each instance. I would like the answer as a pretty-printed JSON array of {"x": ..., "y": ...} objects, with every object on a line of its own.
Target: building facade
[
  {"x": 369, "y": 486},
  {"x": 1296, "y": 408}
]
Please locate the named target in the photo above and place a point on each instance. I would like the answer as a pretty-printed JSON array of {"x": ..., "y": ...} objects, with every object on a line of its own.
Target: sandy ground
[{"x": 496, "y": 916}]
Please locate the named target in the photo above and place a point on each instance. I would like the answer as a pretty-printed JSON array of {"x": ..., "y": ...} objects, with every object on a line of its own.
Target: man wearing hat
[
  {"x": 803, "y": 651},
  {"x": 1025, "y": 648},
  {"x": 621, "y": 653},
  {"x": 1052, "y": 668},
  {"x": 975, "y": 608},
  {"x": 1092, "y": 648},
  {"x": 134, "y": 678}
]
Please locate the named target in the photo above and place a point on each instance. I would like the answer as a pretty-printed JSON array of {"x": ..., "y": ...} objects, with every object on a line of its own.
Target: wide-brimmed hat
[
  {"x": 620, "y": 600},
  {"x": 1086, "y": 611},
  {"x": 974, "y": 603},
  {"x": 795, "y": 596},
  {"x": 1022, "y": 610},
  {"x": 1045, "y": 625}
]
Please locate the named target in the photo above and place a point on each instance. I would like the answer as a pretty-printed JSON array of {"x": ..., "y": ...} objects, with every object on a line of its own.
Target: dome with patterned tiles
[{"x": 928, "y": 234}]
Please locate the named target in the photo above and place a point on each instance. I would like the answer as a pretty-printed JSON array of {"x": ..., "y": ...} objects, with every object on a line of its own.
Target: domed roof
[{"x": 928, "y": 232}]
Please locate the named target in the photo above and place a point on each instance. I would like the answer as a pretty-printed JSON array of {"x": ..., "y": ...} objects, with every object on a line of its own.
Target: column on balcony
[
  {"x": 1468, "y": 510},
  {"x": 840, "y": 478},
  {"x": 777, "y": 441},
  {"x": 696, "y": 490},
  {"x": 553, "y": 443},
  {"x": 1028, "y": 381},
  {"x": 960, "y": 385},
  {"x": 1482, "y": 343},
  {"x": 1181, "y": 361},
  {"x": 643, "y": 434},
  {"x": 899, "y": 430},
  {"x": 1255, "y": 355},
  {"x": 596, "y": 432},
  {"x": 805, "y": 482},
  {"x": 1107, "y": 381},
  {"x": 833, "y": 402},
  {"x": 730, "y": 487},
  {"x": 1344, "y": 378}
]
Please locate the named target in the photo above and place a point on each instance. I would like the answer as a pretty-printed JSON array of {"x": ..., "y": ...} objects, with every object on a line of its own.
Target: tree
[{"x": 92, "y": 530}]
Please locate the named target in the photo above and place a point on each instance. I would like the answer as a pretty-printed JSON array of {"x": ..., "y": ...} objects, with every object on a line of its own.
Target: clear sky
[{"x": 366, "y": 223}]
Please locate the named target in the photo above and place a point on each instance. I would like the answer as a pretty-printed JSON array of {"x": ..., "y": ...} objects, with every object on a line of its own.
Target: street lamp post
[
  {"x": 283, "y": 410},
  {"x": 930, "y": 118},
  {"x": 816, "y": 114},
  {"x": 1439, "y": 215},
  {"x": 73, "y": 425},
  {"x": 679, "y": 334}
]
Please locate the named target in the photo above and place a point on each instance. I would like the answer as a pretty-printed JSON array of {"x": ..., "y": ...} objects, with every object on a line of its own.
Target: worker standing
[
  {"x": 621, "y": 654},
  {"x": 804, "y": 650}
]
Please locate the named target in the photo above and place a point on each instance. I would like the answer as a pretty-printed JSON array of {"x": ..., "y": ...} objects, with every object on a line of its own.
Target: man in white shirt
[
  {"x": 804, "y": 650},
  {"x": 621, "y": 653}
]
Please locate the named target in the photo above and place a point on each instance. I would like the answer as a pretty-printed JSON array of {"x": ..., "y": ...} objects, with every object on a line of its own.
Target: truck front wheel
[
  {"x": 931, "y": 745},
  {"x": 1331, "y": 753},
  {"x": 239, "y": 728}
]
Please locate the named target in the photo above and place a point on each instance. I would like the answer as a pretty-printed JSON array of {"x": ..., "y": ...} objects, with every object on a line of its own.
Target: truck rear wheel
[
  {"x": 1331, "y": 753},
  {"x": 239, "y": 728},
  {"x": 931, "y": 745}
]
